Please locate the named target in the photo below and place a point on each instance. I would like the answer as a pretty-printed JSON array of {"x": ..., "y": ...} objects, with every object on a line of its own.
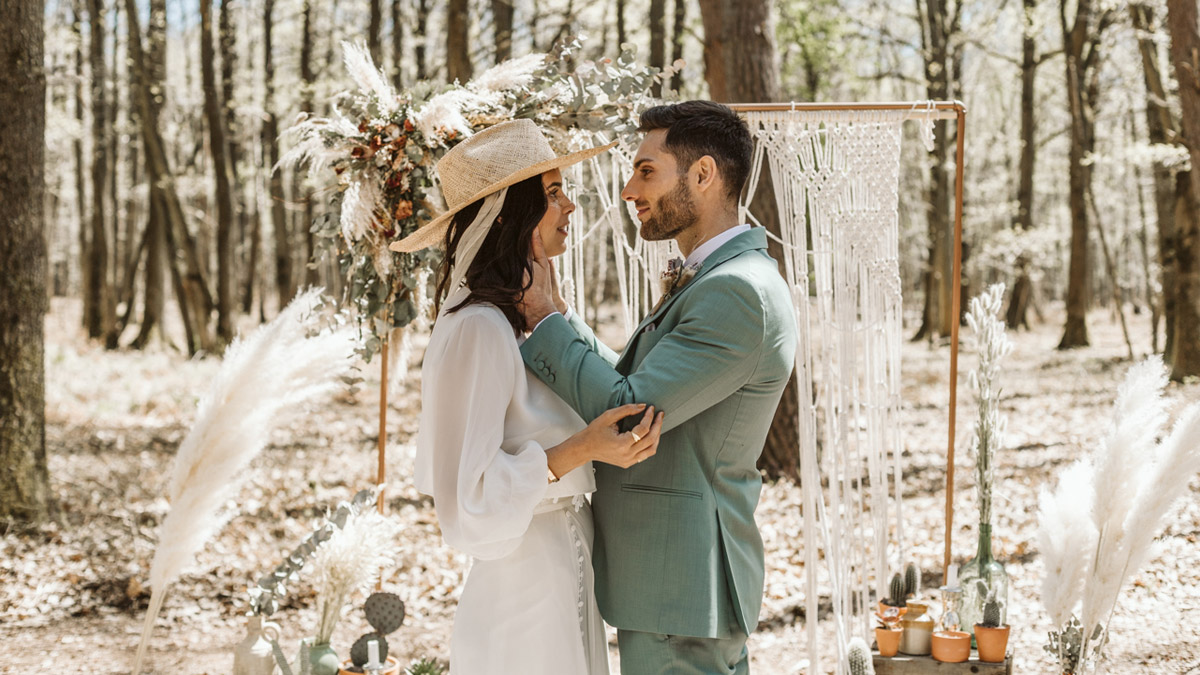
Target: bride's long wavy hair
[{"x": 498, "y": 274}]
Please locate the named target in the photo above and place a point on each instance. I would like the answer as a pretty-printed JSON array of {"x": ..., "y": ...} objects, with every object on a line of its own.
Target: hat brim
[{"x": 434, "y": 232}]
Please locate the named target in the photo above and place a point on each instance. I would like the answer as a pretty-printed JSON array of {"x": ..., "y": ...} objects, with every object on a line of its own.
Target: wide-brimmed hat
[{"x": 495, "y": 158}]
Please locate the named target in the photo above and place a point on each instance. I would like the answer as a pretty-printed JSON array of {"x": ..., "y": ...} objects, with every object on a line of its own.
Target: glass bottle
[{"x": 986, "y": 569}]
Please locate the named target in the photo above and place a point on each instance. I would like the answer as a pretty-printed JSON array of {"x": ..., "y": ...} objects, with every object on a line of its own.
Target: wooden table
[{"x": 903, "y": 664}]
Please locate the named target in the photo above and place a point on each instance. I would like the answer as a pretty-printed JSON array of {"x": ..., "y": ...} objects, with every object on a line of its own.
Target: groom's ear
[{"x": 706, "y": 176}]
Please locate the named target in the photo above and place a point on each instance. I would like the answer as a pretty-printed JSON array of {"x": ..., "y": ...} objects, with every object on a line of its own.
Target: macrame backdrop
[{"x": 835, "y": 176}]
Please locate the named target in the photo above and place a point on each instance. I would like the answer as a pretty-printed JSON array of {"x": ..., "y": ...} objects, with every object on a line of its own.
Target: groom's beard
[{"x": 674, "y": 213}]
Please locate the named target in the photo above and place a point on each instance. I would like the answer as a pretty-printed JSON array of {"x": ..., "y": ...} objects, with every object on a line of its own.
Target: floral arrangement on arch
[{"x": 378, "y": 149}]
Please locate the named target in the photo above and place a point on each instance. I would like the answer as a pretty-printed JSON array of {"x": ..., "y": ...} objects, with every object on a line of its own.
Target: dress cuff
[{"x": 566, "y": 316}]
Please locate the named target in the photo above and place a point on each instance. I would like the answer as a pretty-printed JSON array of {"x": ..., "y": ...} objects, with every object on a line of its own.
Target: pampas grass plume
[{"x": 275, "y": 370}]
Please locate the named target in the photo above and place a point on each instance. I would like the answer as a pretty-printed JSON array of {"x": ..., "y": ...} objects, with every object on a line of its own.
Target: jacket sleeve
[
  {"x": 484, "y": 494},
  {"x": 589, "y": 337},
  {"x": 706, "y": 357}
]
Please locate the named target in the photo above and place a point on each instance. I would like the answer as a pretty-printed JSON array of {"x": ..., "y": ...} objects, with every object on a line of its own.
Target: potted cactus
[
  {"x": 991, "y": 635},
  {"x": 385, "y": 613},
  {"x": 901, "y": 588},
  {"x": 887, "y": 634},
  {"x": 859, "y": 657}
]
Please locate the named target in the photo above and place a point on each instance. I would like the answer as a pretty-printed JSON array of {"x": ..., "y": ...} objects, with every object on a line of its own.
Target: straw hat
[{"x": 495, "y": 158}]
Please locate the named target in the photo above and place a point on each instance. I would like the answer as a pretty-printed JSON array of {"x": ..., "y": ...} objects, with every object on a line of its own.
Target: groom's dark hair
[{"x": 699, "y": 128}]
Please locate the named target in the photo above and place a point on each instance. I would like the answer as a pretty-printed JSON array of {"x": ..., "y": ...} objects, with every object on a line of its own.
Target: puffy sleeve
[{"x": 484, "y": 493}]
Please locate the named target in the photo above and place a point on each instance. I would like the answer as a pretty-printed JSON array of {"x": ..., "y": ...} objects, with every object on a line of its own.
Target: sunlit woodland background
[{"x": 143, "y": 243}]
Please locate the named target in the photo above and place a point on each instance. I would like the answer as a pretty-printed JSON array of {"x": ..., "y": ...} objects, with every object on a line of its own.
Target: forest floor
[{"x": 72, "y": 595}]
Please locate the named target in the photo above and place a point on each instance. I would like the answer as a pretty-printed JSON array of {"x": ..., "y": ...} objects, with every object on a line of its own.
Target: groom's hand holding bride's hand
[
  {"x": 602, "y": 441},
  {"x": 542, "y": 298}
]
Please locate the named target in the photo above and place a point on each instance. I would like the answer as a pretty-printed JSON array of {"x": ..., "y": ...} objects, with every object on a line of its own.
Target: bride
[{"x": 506, "y": 461}]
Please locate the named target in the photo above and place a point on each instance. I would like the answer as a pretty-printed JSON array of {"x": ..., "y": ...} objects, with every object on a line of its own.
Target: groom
[{"x": 678, "y": 556}]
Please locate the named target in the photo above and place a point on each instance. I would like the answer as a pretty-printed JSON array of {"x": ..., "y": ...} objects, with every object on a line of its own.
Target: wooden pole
[
  {"x": 956, "y": 313},
  {"x": 381, "y": 468}
]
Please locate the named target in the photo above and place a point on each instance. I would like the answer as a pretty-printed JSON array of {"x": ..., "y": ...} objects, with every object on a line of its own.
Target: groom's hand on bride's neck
[{"x": 538, "y": 301}]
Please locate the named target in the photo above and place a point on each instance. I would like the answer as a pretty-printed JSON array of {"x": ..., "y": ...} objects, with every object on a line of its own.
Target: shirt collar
[{"x": 706, "y": 249}]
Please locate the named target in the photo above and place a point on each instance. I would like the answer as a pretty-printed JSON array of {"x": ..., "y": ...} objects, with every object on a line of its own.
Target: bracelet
[{"x": 550, "y": 477}]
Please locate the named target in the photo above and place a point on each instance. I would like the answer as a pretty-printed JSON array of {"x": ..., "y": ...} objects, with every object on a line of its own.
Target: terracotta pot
[
  {"x": 392, "y": 667},
  {"x": 993, "y": 643},
  {"x": 883, "y": 607},
  {"x": 951, "y": 646},
  {"x": 888, "y": 640}
]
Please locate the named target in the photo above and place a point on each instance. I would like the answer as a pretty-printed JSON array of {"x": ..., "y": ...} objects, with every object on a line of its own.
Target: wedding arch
[{"x": 835, "y": 172}]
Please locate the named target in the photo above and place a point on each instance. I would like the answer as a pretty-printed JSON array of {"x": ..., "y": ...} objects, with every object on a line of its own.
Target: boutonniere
[{"x": 676, "y": 275}]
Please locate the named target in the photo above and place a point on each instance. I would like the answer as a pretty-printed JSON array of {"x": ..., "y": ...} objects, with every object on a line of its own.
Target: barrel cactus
[
  {"x": 912, "y": 580},
  {"x": 896, "y": 595},
  {"x": 859, "y": 656}
]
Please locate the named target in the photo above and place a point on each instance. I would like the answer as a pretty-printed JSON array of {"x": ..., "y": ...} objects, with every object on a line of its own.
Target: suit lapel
[{"x": 755, "y": 238}]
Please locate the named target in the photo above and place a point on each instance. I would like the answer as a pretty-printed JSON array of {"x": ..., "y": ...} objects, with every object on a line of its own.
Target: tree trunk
[
  {"x": 270, "y": 135},
  {"x": 153, "y": 306},
  {"x": 1018, "y": 303},
  {"x": 939, "y": 29},
  {"x": 1162, "y": 129},
  {"x": 622, "y": 38},
  {"x": 658, "y": 40},
  {"x": 502, "y": 12},
  {"x": 677, "y": 32},
  {"x": 421, "y": 39},
  {"x": 24, "y": 479},
  {"x": 309, "y": 77},
  {"x": 458, "y": 41},
  {"x": 1081, "y": 46},
  {"x": 398, "y": 45},
  {"x": 216, "y": 141},
  {"x": 227, "y": 40},
  {"x": 191, "y": 289},
  {"x": 741, "y": 65},
  {"x": 1185, "y": 57},
  {"x": 374, "y": 31},
  {"x": 98, "y": 287},
  {"x": 80, "y": 181}
]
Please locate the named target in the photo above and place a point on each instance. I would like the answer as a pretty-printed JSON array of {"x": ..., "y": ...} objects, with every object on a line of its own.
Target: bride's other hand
[{"x": 602, "y": 441}]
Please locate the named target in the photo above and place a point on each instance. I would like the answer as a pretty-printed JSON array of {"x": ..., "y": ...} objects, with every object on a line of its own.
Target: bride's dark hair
[{"x": 497, "y": 275}]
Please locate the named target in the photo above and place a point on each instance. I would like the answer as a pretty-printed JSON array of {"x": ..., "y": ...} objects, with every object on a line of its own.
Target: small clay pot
[
  {"x": 888, "y": 640},
  {"x": 992, "y": 642},
  {"x": 951, "y": 646},
  {"x": 392, "y": 667},
  {"x": 884, "y": 607}
]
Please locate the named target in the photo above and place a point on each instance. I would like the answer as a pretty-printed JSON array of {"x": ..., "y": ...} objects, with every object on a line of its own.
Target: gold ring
[{"x": 636, "y": 438}]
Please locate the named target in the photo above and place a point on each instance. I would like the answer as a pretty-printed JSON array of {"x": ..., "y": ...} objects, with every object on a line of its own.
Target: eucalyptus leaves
[{"x": 265, "y": 595}]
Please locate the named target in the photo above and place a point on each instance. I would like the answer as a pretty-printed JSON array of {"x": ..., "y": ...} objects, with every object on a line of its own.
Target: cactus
[
  {"x": 425, "y": 666},
  {"x": 359, "y": 652},
  {"x": 859, "y": 656},
  {"x": 912, "y": 581},
  {"x": 385, "y": 612},
  {"x": 895, "y": 592},
  {"x": 991, "y": 612}
]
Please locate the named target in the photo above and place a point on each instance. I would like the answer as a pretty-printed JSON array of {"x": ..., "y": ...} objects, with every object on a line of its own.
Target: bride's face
[{"x": 555, "y": 224}]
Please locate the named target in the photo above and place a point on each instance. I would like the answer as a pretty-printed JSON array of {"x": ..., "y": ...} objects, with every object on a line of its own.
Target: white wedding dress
[{"x": 528, "y": 606}]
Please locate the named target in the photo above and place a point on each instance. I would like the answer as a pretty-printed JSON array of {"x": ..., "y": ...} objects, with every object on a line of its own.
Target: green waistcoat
[{"x": 677, "y": 549}]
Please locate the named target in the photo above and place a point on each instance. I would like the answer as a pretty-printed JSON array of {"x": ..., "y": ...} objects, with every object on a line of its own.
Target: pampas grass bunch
[
  {"x": 281, "y": 366},
  {"x": 1098, "y": 525},
  {"x": 352, "y": 559},
  {"x": 991, "y": 342}
]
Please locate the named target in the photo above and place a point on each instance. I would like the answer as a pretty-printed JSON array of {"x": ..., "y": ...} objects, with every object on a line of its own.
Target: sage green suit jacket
[{"x": 677, "y": 550}]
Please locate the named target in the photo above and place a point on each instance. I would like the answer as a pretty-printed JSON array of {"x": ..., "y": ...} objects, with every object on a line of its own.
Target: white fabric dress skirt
[{"x": 528, "y": 606}]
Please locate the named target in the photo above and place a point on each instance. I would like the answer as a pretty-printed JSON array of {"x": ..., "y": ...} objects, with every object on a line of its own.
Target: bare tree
[
  {"x": 154, "y": 287},
  {"x": 77, "y": 147},
  {"x": 374, "y": 31},
  {"x": 1185, "y": 57},
  {"x": 421, "y": 38},
  {"x": 398, "y": 44},
  {"x": 1161, "y": 128},
  {"x": 741, "y": 65},
  {"x": 24, "y": 479},
  {"x": 283, "y": 263},
  {"x": 1081, "y": 45},
  {"x": 99, "y": 303},
  {"x": 216, "y": 141},
  {"x": 940, "y": 25},
  {"x": 458, "y": 41},
  {"x": 678, "y": 30},
  {"x": 502, "y": 13},
  {"x": 658, "y": 39},
  {"x": 270, "y": 141}
]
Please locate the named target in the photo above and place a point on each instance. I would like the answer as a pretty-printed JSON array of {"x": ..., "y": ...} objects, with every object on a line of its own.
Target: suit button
[{"x": 541, "y": 364}]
